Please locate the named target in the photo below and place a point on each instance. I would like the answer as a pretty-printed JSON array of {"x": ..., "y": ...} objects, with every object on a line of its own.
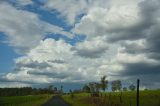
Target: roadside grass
[
  {"x": 147, "y": 98},
  {"x": 79, "y": 99},
  {"x": 32, "y": 100}
]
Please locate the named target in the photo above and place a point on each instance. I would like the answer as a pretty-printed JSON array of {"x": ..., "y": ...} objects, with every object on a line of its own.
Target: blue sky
[
  {"x": 47, "y": 41},
  {"x": 7, "y": 55}
]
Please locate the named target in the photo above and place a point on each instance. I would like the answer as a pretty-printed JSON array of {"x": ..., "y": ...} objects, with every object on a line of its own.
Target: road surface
[{"x": 56, "y": 101}]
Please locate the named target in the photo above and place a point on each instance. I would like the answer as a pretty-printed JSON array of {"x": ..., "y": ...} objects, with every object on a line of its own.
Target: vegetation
[
  {"x": 36, "y": 100},
  {"x": 132, "y": 87},
  {"x": 128, "y": 98},
  {"x": 24, "y": 91},
  {"x": 104, "y": 83},
  {"x": 116, "y": 85},
  {"x": 28, "y": 91},
  {"x": 80, "y": 99},
  {"x": 92, "y": 94}
]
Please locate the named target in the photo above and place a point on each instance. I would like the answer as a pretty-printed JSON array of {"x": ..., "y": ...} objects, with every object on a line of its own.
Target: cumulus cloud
[
  {"x": 91, "y": 49},
  {"x": 13, "y": 84},
  {"x": 54, "y": 61},
  {"x": 42, "y": 61},
  {"x": 24, "y": 29},
  {"x": 72, "y": 9},
  {"x": 114, "y": 21}
]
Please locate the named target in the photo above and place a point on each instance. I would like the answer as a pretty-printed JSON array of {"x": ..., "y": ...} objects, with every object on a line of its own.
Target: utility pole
[{"x": 138, "y": 92}]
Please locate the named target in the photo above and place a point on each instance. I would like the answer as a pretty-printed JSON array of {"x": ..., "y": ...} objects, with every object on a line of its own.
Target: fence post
[{"x": 138, "y": 92}]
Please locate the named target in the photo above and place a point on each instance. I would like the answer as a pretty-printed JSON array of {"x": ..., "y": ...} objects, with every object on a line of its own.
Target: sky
[{"x": 73, "y": 42}]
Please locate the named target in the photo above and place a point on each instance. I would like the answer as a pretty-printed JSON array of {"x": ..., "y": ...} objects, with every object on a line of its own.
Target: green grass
[
  {"x": 80, "y": 99},
  {"x": 32, "y": 100},
  {"x": 147, "y": 98}
]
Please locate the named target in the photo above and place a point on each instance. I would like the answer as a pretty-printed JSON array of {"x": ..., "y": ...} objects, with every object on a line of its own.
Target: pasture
[
  {"x": 128, "y": 98},
  {"x": 31, "y": 100}
]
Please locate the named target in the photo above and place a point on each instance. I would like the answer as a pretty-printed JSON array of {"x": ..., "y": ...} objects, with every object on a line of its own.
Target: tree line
[
  {"x": 92, "y": 87},
  {"x": 104, "y": 84},
  {"x": 29, "y": 91}
]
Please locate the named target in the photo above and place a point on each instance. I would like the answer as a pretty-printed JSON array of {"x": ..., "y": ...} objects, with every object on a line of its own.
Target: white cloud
[
  {"x": 91, "y": 48},
  {"x": 42, "y": 65},
  {"x": 50, "y": 49},
  {"x": 24, "y": 29},
  {"x": 71, "y": 9},
  {"x": 134, "y": 58},
  {"x": 45, "y": 55},
  {"x": 109, "y": 21},
  {"x": 13, "y": 84}
]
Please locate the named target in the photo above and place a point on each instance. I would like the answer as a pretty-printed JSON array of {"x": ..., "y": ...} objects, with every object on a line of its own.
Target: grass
[
  {"x": 79, "y": 99},
  {"x": 147, "y": 98},
  {"x": 32, "y": 100}
]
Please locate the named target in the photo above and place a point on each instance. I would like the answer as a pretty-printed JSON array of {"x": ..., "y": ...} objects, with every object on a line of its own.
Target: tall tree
[
  {"x": 116, "y": 85},
  {"x": 92, "y": 88},
  {"x": 55, "y": 89},
  {"x": 62, "y": 88},
  {"x": 97, "y": 87},
  {"x": 50, "y": 89},
  {"x": 132, "y": 87},
  {"x": 124, "y": 88},
  {"x": 104, "y": 83},
  {"x": 86, "y": 88}
]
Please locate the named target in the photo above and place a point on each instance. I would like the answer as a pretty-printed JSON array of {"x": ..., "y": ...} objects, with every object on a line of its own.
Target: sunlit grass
[
  {"x": 32, "y": 100},
  {"x": 80, "y": 99},
  {"x": 147, "y": 98}
]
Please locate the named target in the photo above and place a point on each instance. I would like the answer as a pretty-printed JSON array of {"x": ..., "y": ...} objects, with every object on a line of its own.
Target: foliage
[
  {"x": 97, "y": 87},
  {"x": 124, "y": 88},
  {"x": 104, "y": 83},
  {"x": 92, "y": 86},
  {"x": 132, "y": 87},
  {"x": 86, "y": 89},
  {"x": 26, "y": 91},
  {"x": 116, "y": 85}
]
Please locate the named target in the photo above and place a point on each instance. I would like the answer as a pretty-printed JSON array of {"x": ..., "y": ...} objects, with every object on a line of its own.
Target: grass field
[
  {"x": 147, "y": 98},
  {"x": 36, "y": 100}
]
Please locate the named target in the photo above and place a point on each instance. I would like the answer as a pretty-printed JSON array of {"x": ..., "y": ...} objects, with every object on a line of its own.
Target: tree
[
  {"x": 71, "y": 93},
  {"x": 91, "y": 86},
  {"x": 132, "y": 87},
  {"x": 104, "y": 83},
  {"x": 86, "y": 89},
  {"x": 55, "y": 89},
  {"x": 124, "y": 88},
  {"x": 116, "y": 85},
  {"x": 61, "y": 88},
  {"x": 50, "y": 87},
  {"x": 97, "y": 87}
]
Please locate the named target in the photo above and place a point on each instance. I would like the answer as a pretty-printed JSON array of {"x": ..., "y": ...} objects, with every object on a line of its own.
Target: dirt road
[{"x": 56, "y": 101}]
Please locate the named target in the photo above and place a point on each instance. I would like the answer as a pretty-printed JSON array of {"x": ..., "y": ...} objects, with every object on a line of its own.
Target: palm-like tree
[
  {"x": 97, "y": 86},
  {"x": 104, "y": 83}
]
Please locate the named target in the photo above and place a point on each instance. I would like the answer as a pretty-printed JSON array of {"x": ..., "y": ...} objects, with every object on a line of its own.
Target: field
[
  {"x": 36, "y": 100},
  {"x": 147, "y": 98}
]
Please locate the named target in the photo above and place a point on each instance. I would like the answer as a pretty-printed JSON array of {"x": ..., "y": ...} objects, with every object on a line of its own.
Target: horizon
[{"x": 74, "y": 42}]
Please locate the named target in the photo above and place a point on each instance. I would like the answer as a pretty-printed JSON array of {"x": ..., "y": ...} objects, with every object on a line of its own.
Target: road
[{"x": 56, "y": 101}]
